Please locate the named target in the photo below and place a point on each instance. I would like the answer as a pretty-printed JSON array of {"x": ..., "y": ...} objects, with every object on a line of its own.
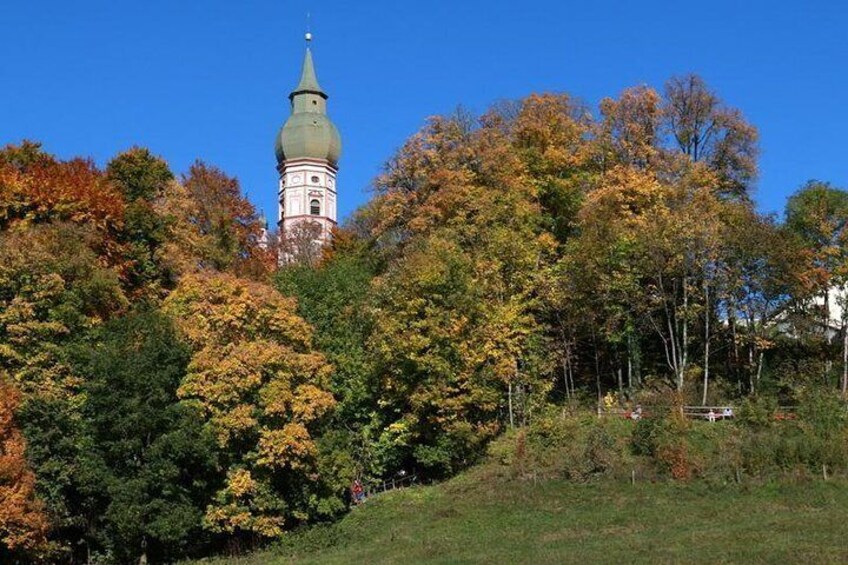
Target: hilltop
[{"x": 487, "y": 515}]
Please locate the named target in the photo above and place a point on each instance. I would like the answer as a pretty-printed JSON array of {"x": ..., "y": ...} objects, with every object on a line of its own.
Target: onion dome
[{"x": 308, "y": 133}]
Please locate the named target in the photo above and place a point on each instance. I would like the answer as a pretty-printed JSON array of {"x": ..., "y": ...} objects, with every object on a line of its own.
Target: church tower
[{"x": 308, "y": 149}]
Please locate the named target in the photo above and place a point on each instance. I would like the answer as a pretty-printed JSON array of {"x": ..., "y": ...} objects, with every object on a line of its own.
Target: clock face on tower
[{"x": 296, "y": 179}]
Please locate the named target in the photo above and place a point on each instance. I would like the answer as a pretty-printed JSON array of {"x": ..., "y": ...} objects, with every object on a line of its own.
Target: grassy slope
[{"x": 475, "y": 519}]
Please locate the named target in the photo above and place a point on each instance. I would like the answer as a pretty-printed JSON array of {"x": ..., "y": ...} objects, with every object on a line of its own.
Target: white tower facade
[
  {"x": 308, "y": 148},
  {"x": 307, "y": 194}
]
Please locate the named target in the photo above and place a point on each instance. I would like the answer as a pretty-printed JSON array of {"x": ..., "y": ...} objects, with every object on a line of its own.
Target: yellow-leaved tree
[{"x": 264, "y": 391}]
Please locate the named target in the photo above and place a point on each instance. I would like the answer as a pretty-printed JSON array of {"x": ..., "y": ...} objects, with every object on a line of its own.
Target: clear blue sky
[{"x": 209, "y": 79}]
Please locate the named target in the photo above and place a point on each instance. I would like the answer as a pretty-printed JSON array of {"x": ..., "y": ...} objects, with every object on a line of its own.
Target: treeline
[
  {"x": 158, "y": 399},
  {"x": 170, "y": 391},
  {"x": 541, "y": 253}
]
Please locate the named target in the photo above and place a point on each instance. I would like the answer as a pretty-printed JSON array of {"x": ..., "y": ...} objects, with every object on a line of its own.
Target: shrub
[
  {"x": 758, "y": 411},
  {"x": 663, "y": 438},
  {"x": 600, "y": 453},
  {"x": 576, "y": 448}
]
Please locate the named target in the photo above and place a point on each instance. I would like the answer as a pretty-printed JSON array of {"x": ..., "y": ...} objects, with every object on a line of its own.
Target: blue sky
[{"x": 209, "y": 79}]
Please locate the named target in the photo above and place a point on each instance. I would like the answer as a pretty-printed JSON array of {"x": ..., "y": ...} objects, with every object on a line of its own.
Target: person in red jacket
[{"x": 357, "y": 492}]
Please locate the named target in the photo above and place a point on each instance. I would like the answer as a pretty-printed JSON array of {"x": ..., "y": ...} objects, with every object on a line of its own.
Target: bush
[
  {"x": 822, "y": 412},
  {"x": 663, "y": 438},
  {"x": 580, "y": 447},
  {"x": 758, "y": 411},
  {"x": 576, "y": 448},
  {"x": 600, "y": 454},
  {"x": 817, "y": 437}
]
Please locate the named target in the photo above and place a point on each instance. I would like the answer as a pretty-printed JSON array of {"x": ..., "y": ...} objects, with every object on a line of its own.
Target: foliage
[
  {"x": 333, "y": 298},
  {"x": 262, "y": 390},
  {"x": 35, "y": 187},
  {"x": 143, "y": 180},
  {"x": 511, "y": 271},
  {"x": 23, "y": 521},
  {"x": 139, "y": 174},
  {"x": 579, "y": 449},
  {"x": 51, "y": 286},
  {"x": 149, "y": 465},
  {"x": 227, "y": 222},
  {"x": 453, "y": 312}
]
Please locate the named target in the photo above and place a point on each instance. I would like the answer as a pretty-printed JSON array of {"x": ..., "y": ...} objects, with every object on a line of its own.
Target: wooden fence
[
  {"x": 696, "y": 412},
  {"x": 372, "y": 489}
]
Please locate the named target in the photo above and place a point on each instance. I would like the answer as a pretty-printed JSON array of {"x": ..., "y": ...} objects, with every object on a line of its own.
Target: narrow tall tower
[{"x": 308, "y": 149}]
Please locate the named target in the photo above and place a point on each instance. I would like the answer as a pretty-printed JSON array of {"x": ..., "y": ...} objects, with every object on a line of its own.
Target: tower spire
[
  {"x": 307, "y": 150},
  {"x": 308, "y": 80}
]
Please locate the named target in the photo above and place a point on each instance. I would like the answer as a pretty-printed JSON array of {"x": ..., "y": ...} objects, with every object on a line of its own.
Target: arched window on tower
[{"x": 315, "y": 208}]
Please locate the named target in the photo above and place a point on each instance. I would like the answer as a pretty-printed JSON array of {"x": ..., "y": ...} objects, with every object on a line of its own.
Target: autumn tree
[
  {"x": 630, "y": 131},
  {"x": 707, "y": 131},
  {"x": 262, "y": 390},
  {"x": 52, "y": 285},
  {"x": 36, "y": 187},
  {"x": 594, "y": 291},
  {"x": 763, "y": 269},
  {"x": 23, "y": 520},
  {"x": 452, "y": 313},
  {"x": 550, "y": 134},
  {"x": 53, "y": 288},
  {"x": 818, "y": 214},
  {"x": 143, "y": 180},
  {"x": 227, "y": 222}
]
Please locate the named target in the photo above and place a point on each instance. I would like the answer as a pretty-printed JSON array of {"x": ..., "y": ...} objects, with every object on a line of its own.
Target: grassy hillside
[{"x": 478, "y": 518}]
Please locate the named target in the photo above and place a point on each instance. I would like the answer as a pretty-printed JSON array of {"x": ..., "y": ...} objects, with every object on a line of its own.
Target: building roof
[
  {"x": 308, "y": 79},
  {"x": 308, "y": 133}
]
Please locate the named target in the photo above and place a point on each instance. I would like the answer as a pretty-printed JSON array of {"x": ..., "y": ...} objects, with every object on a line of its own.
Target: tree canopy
[{"x": 170, "y": 388}]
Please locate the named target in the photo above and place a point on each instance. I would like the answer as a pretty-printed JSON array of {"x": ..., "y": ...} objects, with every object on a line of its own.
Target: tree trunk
[
  {"x": 524, "y": 408},
  {"x": 597, "y": 367},
  {"x": 706, "y": 342},
  {"x": 731, "y": 316},
  {"x": 672, "y": 323},
  {"x": 828, "y": 365},
  {"x": 751, "y": 369},
  {"x": 511, "y": 418},
  {"x": 827, "y": 316},
  {"x": 683, "y": 344},
  {"x": 620, "y": 384},
  {"x": 571, "y": 375},
  {"x": 844, "y": 360}
]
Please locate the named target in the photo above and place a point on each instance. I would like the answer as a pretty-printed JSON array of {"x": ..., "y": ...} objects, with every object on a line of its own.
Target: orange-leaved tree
[
  {"x": 23, "y": 522},
  {"x": 36, "y": 187}
]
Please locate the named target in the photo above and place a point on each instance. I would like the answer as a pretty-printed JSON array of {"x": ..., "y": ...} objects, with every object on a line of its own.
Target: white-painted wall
[{"x": 301, "y": 182}]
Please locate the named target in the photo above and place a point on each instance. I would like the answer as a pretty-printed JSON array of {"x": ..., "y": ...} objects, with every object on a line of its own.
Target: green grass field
[{"x": 474, "y": 519}]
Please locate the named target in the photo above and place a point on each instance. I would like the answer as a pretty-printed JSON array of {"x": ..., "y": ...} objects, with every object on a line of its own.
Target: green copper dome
[{"x": 308, "y": 133}]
